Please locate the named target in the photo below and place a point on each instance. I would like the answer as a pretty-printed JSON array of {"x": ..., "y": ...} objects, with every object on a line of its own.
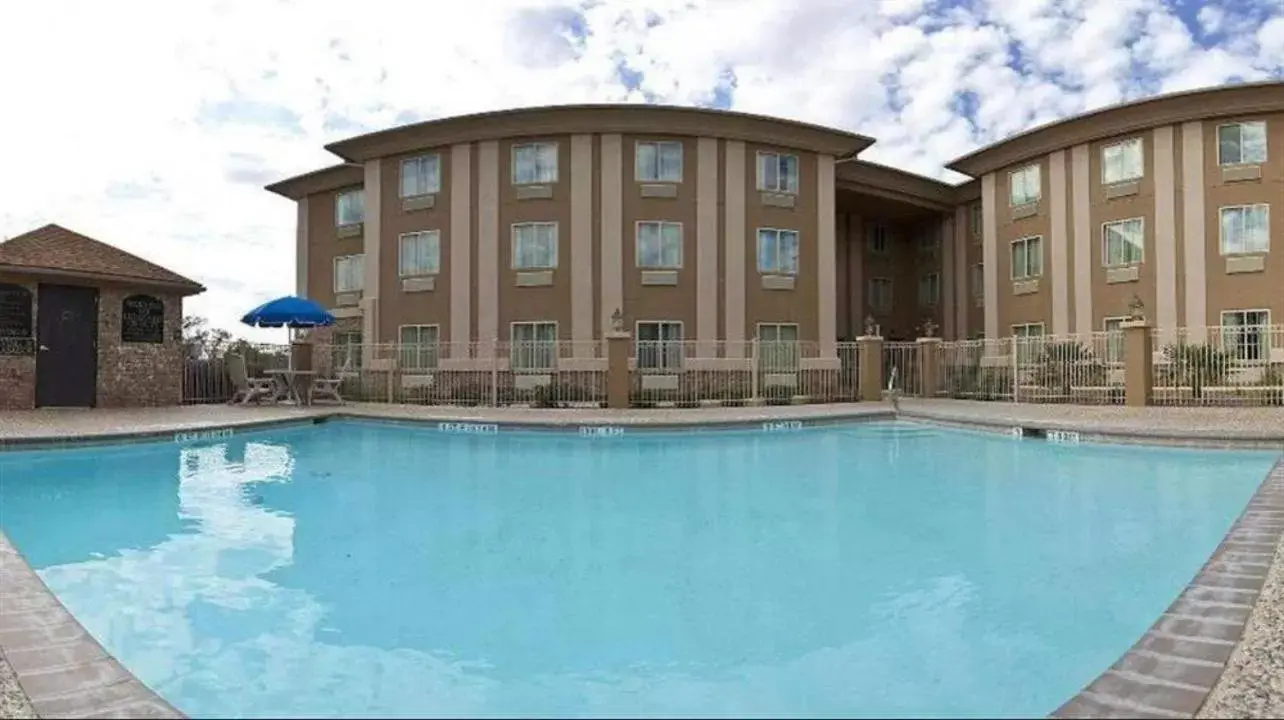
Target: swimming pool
[{"x": 356, "y": 568}]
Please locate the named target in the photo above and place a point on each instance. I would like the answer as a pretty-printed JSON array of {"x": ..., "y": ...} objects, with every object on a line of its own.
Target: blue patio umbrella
[{"x": 289, "y": 311}]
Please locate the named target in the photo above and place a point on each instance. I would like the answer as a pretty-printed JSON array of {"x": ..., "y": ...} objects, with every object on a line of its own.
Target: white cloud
[{"x": 154, "y": 124}]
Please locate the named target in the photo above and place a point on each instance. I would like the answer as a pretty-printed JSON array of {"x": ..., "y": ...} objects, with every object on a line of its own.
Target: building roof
[
  {"x": 329, "y": 178},
  {"x": 57, "y": 251}
]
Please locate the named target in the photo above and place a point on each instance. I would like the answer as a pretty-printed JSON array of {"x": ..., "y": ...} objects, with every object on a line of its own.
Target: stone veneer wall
[
  {"x": 138, "y": 374},
  {"x": 18, "y": 372}
]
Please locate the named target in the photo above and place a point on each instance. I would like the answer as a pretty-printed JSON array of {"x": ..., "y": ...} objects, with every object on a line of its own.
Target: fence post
[
  {"x": 1139, "y": 380},
  {"x": 870, "y": 366},
  {"x": 494, "y": 372},
  {"x": 617, "y": 369},
  {"x": 755, "y": 362},
  {"x": 1016, "y": 368},
  {"x": 929, "y": 366}
]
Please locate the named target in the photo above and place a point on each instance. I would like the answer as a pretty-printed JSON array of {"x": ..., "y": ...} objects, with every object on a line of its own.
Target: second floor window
[
  {"x": 978, "y": 280},
  {"x": 777, "y": 251},
  {"x": 929, "y": 239},
  {"x": 1241, "y": 143},
  {"x": 1024, "y": 186},
  {"x": 1123, "y": 243},
  {"x": 350, "y": 208},
  {"x": 658, "y": 162},
  {"x": 1027, "y": 258},
  {"x": 1245, "y": 229},
  {"x": 419, "y": 253},
  {"x": 349, "y": 273},
  {"x": 535, "y": 246},
  {"x": 876, "y": 238},
  {"x": 880, "y": 295},
  {"x": 977, "y": 219},
  {"x": 535, "y": 164},
  {"x": 777, "y": 172},
  {"x": 420, "y": 176},
  {"x": 659, "y": 245},
  {"x": 1121, "y": 162}
]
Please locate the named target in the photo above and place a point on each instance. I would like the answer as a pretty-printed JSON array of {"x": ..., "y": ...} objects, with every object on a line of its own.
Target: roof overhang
[
  {"x": 1245, "y": 99},
  {"x": 330, "y": 178},
  {"x": 183, "y": 289},
  {"x": 584, "y": 119},
  {"x": 889, "y": 183}
]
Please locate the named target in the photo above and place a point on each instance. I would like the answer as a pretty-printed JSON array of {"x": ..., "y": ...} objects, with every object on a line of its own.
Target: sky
[{"x": 155, "y": 124}]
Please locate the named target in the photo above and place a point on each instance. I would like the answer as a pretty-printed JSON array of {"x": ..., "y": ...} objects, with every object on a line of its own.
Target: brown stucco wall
[
  {"x": 18, "y": 372},
  {"x": 1037, "y": 306}
]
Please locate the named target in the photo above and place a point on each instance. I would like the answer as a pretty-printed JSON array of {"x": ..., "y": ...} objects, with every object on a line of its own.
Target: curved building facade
[{"x": 721, "y": 227}]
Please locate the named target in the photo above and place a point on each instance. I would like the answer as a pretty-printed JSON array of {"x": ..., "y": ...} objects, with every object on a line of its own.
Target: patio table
[{"x": 293, "y": 382}]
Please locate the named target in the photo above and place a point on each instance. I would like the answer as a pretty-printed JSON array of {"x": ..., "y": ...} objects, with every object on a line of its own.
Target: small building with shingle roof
[{"x": 86, "y": 324}]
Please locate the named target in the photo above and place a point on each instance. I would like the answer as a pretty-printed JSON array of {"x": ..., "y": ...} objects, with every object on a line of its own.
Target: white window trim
[
  {"x": 930, "y": 302},
  {"x": 401, "y": 250},
  {"x": 1267, "y": 334},
  {"x": 401, "y": 176},
  {"x": 891, "y": 295},
  {"x": 557, "y": 162},
  {"x": 1042, "y": 328},
  {"x": 337, "y": 203},
  {"x": 976, "y": 227},
  {"x": 334, "y": 277},
  {"x": 1105, "y": 244},
  {"x": 512, "y": 343},
  {"x": 1105, "y": 328},
  {"x": 401, "y": 344},
  {"x": 682, "y": 331},
  {"x": 1217, "y": 139},
  {"x": 637, "y": 244},
  {"x": 512, "y": 249},
  {"x": 1038, "y": 193},
  {"x": 757, "y": 168},
  {"x": 1221, "y": 230},
  {"x": 1141, "y": 150},
  {"x": 682, "y": 161},
  {"x": 797, "y": 241},
  {"x": 1012, "y": 265}
]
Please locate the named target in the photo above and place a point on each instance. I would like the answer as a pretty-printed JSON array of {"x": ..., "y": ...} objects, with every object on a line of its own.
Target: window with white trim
[
  {"x": 880, "y": 295},
  {"x": 1029, "y": 341},
  {"x": 350, "y": 207},
  {"x": 659, "y": 245},
  {"x": 1246, "y": 334},
  {"x": 978, "y": 280},
  {"x": 658, "y": 161},
  {"x": 777, "y": 172},
  {"x": 533, "y": 346},
  {"x": 419, "y": 346},
  {"x": 1025, "y": 186},
  {"x": 1245, "y": 229},
  {"x": 1123, "y": 242},
  {"x": 777, "y": 251},
  {"x": 659, "y": 345},
  {"x": 929, "y": 290},
  {"x": 778, "y": 347},
  {"x": 1241, "y": 143},
  {"x": 1027, "y": 258},
  {"x": 1113, "y": 326},
  {"x": 349, "y": 273},
  {"x": 535, "y": 163},
  {"x": 1122, "y": 162},
  {"x": 419, "y": 253},
  {"x": 535, "y": 246},
  {"x": 421, "y": 175},
  {"x": 876, "y": 238},
  {"x": 978, "y": 220},
  {"x": 345, "y": 351}
]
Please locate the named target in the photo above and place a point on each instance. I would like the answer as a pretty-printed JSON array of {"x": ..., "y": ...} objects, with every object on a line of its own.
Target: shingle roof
[{"x": 56, "y": 249}]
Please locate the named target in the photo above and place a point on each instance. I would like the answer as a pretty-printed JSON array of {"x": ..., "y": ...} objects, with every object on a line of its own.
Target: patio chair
[
  {"x": 245, "y": 388},
  {"x": 327, "y": 388}
]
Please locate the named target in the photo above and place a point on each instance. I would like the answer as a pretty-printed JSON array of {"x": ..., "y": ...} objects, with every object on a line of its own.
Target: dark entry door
[{"x": 67, "y": 354}]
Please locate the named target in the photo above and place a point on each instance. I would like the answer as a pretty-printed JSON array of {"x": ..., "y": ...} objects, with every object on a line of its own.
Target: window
[
  {"x": 1027, "y": 258},
  {"x": 659, "y": 345},
  {"x": 1024, "y": 186},
  {"x": 1241, "y": 144},
  {"x": 658, "y": 162},
  {"x": 350, "y": 208},
  {"x": 1114, "y": 339},
  {"x": 777, "y": 251},
  {"x": 535, "y": 163},
  {"x": 420, "y": 253},
  {"x": 1245, "y": 229},
  {"x": 1123, "y": 242},
  {"x": 777, "y": 172},
  {"x": 659, "y": 245},
  {"x": 349, "y": 273},
  {"x": 929, "y": 240},
  {"x": 978, "y": 280},
  {"x": 876, "y": 238},
  {"x": 880, "y": 295},
  {"x": 534, "y": 346},
  {"x": 929, "y": 290},
  {"x": 420, "y": 175},
  {"x": 978, "y": 217},
  {"x": 535, "y": 246},
  {"x": 419, "y": 347},
  {"x": 1121, "y": 162},
  {"x": 1028, "y": 341},
  {"x": 777, "y": 347},
  {"x": 345, "y": 351},
  {"x": 1246, "y": 334}
]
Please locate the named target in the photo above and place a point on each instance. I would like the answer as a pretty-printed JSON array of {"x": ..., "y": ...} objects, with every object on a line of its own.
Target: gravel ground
[{"x": 13, "y": 702}]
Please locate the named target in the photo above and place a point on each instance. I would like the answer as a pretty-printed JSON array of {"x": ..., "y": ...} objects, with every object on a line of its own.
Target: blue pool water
[{"x": 352, "y": 569}]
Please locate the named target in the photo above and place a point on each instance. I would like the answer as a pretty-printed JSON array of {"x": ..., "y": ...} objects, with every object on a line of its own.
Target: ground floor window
[
  {"x": 345, "y": 349},
  {"x": 659, "y": 345},
  {"x": 778, "y": 347},
  {"x": 534, "y": 346},
  {"x": 1114, "y": 338},
  {"x": 419, "y": 347},
  {"x": 1028, "y": 339},
  {"x": 1246, "y": 334}
]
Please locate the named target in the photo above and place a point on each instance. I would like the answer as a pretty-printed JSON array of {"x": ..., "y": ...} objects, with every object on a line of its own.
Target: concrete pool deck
[{"x": 48, "y": 674}]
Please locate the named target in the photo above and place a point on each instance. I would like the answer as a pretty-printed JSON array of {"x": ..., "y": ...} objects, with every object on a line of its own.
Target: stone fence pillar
[
  {"x": 929, "y": 366},
  {"x": 1139, "y": 373},
  {"x": 617, "y": 370},
  {"x": 870, "y": 367}
]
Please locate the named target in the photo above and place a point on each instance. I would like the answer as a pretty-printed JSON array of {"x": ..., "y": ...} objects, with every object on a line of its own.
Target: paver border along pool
[{"x": 1169, "y": 673}]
